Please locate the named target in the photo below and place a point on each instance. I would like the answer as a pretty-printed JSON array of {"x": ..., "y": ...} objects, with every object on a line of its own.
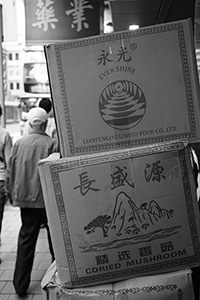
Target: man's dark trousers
[{"x": 32, "y": 219}]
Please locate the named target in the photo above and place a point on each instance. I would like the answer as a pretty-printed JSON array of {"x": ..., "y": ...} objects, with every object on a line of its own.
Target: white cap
[{"x": 36, "y": 116}]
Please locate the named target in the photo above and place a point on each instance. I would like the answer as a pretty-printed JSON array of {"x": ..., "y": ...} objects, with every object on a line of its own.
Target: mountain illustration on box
[{"x": 130, "y": 224}]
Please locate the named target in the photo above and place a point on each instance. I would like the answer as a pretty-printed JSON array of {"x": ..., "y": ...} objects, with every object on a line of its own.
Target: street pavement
[{"x": 8, "y": 248}]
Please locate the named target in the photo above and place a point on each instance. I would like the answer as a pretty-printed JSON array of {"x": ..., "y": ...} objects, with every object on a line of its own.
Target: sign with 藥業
[{"x": 52, "y": 21}]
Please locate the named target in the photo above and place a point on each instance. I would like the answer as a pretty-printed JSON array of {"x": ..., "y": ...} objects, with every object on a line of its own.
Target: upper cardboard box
[{"x": 125, "y": 89}]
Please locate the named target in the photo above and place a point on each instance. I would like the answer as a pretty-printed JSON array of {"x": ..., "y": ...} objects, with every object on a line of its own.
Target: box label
[
  {"x": 125, "y": 89},
  {"x": 129, "y": 213}
]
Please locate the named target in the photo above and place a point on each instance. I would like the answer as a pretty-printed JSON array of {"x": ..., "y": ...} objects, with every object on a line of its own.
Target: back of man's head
[
  {"x": 46, "y": 104},
  {"x": 37, "y": 118}
]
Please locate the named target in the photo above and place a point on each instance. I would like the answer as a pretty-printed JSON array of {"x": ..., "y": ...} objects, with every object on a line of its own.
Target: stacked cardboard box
[
  {"x": 176, "y": 285},
  {"x": 122, "y": 201},
  {"x": 125, "y": 89},
  {"x": 122, "y": 214}
]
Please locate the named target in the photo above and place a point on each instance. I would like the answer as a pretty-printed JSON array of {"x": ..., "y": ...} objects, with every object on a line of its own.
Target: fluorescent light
[{"x": 133, "y": 27}]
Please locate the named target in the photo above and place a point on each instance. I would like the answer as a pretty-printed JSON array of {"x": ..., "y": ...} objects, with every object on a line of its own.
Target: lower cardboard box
[
  {"x": 122, "y": 214},
  {"x": 173, "y": 286}
]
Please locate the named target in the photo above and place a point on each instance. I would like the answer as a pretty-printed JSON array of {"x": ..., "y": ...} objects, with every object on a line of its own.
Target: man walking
[{"x": 24, "y": 187}]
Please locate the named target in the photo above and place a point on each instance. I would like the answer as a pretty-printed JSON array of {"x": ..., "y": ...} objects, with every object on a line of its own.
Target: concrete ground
[{"x": 8, "y": 247}]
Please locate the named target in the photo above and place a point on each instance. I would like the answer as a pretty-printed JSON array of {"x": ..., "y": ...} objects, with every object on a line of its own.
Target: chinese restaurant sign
[{"x": 50, "y": 20}]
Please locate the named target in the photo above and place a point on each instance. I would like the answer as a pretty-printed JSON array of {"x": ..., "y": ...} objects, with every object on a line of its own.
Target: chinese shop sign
[{"x": 52, "y": 21}]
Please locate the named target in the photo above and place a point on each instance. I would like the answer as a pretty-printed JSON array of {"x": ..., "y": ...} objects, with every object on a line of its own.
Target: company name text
[{"x": 130, "y": 135}]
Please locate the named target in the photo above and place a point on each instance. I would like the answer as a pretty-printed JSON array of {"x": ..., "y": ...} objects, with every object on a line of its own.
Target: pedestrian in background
[
  {"x": 23, "y": 184},
  {"x": 5, "y": 152},
  {"x": 46, "y": 104}
]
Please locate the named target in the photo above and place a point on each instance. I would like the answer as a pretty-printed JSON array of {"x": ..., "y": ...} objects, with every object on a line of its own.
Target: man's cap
[{"x": 36, "y": 116}]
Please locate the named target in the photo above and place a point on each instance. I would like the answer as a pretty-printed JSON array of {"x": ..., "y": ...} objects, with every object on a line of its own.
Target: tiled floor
[{"x": 11, "y": 225}]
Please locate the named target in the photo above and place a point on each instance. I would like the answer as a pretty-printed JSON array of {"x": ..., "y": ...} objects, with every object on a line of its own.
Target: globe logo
[{"x": 122, "y": 104}]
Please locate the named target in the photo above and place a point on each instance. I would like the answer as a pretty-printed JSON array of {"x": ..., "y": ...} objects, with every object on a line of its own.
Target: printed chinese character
[
  {"x": 78, "y": 12},
  {"x": 85, "y": 185},
  {"x": 119, "y": 178},
  {"x": 104, "y": 58},
  {"x": 45, "y": 15},
  {"x": 165, "y": 247},
  {"x": 102, "y": 259},
  {"x": 145, "y": 251},
  {"x": 122, "y": 54},
  {"x": 154, "y": 172},
  {"x": 124, "y": 255}
]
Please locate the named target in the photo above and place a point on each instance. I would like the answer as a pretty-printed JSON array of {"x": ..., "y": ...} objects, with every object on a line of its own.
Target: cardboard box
[
  {"x": 125, "y": 89},
  {"x": 173, "y": 286},
  {"x": 122, "y": 214}
]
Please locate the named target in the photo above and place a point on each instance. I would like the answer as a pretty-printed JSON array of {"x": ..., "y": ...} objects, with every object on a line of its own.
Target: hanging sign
[{"x": 52, "y": 21}]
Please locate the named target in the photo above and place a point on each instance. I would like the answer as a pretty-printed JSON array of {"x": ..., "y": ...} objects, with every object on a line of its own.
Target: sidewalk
[{"x": 10, "y": 229}]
